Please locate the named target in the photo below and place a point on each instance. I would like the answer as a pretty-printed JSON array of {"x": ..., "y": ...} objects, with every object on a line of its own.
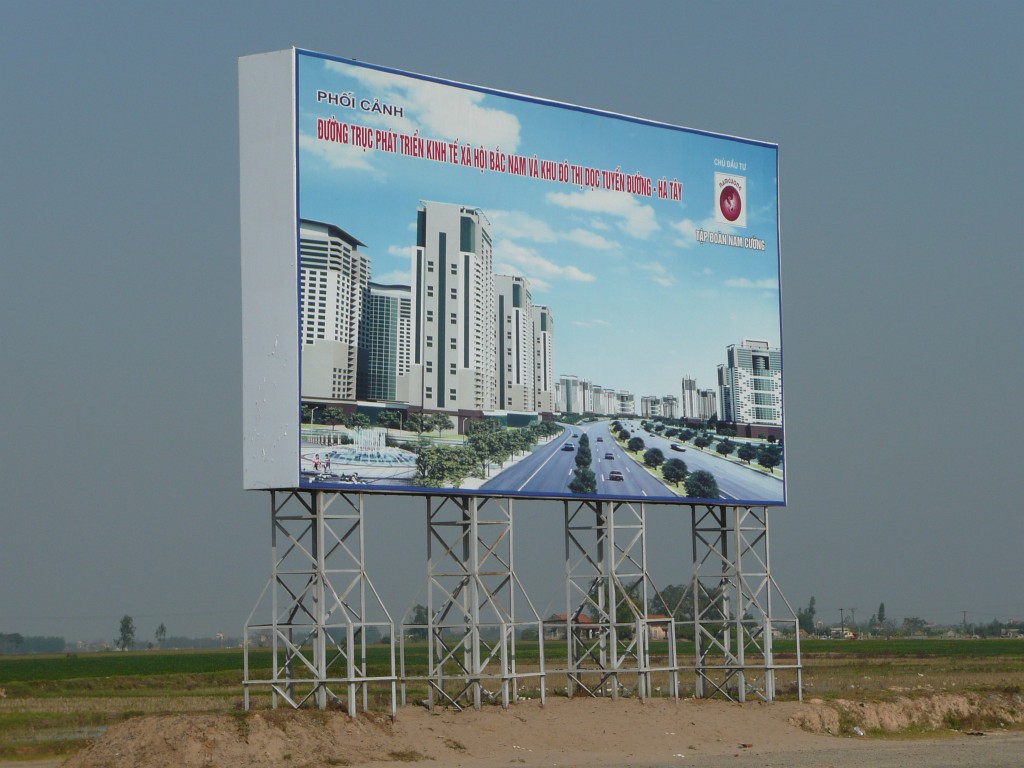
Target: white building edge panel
[{"x": 270, "y": 353}]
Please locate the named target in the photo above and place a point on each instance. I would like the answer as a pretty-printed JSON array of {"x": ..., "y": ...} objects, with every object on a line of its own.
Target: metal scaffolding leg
[
  {"x": 322, "y": 605},
  {"x": 734, "y": 596},
  {"x": 473, "y": 594},
  {"x": 607, "y": 591}
]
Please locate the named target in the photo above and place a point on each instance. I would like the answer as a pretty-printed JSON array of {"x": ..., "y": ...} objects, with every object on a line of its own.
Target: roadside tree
[
  {"x": 747, "y": 452},
  {"x": 702, "y": 485},
  {"x": 388, "y": 419},
  {"x": 769, "y": 457},
  {"x": 584, "y": 481},
  {"x": 358, "y": 421},
  {"x": 653, "y": 457},
  {"x": 583, "y": 456},
  {"x": 334, "y": 416},
  {"x": 674, "y": 471},
  {"x": 418, "y": 422},
  {"x": 441, "y": 422}
]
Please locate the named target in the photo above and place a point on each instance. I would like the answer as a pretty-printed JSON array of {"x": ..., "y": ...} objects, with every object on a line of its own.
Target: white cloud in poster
[
  {"x": 537, "y": 285},
  {"x": 336, "y": 156},
  {"x": 744, "y": 282},
  {"x": 531, "y": 265},
  {"x": 438, "y": 111},
  {"x": 634, "y": 218},
  {"x": 522, "y": 226},
  {"x": 402, "y": 251},
  {"x": 658, "y": 273},
  {"x": 396, "y": 277}
]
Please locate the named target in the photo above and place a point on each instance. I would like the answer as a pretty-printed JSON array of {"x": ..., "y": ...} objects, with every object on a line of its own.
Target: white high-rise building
[
  {"x": 707, "y": 401},
  {"x": 333, "y": 275},
  {"x": 544, "y": 363},
  {"x": 690, "y": 408},
  {"x": 454, "y": 315},
  {"x": 515, "y": 340},
  {"x": 569, "y": 395},
  {"x": 598, "y": 399},
  {"x": 626, "y": 403},
  {"x": 750, "y": 384},
  {"x": 670, "y": 407},
  {"x": 650, "y": 405}
]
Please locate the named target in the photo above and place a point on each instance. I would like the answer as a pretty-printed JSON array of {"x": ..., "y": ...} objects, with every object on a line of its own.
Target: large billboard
[{"x": 453, "y": 289}]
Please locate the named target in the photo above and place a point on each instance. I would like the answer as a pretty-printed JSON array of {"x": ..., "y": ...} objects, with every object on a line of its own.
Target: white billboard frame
[{"x": 283, "y": 144}]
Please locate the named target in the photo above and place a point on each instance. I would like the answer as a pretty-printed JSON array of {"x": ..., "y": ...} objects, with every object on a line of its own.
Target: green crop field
[{"x": 53, "y": 705}]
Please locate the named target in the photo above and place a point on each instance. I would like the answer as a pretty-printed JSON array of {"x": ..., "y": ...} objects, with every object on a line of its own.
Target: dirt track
[{"x": 593, "y": 733}]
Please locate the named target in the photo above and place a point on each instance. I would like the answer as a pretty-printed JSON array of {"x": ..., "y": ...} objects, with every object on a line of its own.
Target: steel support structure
[
  {"x": 735, "y": 599},
  {"x": 473, "y": 596},
  {"x": 607, "y": 590},
  {"x": 321, "y": 605}
]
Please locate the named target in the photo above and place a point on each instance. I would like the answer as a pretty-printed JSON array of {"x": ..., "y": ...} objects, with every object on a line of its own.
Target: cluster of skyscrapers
[
  {"x": 576, "y": 395},
  {"x": 749, "y": 392},
  {"x": 462, "y": 339},
  {"x": 750, "y": 384},
  {"x": 458, "y": 338},
  {"x": 749, "y": 387}
]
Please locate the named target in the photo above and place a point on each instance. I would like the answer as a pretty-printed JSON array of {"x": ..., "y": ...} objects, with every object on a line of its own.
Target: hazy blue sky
[{"x": 899, "y": 127}]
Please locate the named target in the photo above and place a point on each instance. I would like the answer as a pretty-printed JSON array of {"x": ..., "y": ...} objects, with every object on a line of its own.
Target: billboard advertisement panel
[{"x": 494, "y": 294}]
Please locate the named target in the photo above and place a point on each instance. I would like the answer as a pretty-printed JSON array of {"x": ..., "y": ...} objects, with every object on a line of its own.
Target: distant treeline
[{"x": 16, "y": 643}]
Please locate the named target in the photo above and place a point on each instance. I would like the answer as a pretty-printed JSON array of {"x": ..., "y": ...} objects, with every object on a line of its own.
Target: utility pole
[
  {"x": 965, "y": 623},
  {"x": 842, "y": 624}
]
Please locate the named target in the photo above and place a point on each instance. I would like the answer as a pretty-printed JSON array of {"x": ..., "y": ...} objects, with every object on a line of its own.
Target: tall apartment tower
[
  {"x": 708, "y": 405},
  {"x": 569, "y": 395},
  {"x": 544, "y": 363},
  {"x": 385, "y": 342},
  {"x": 670, "y": 407},
  {"x": 750, "y": 383},
  {"x": 514, "y": 332},
  {"x": 690, "y": 408},
  {"x": 627, "y": 403},
  {"x": 454, "y": 315},
  {"x": 333, "y": 275},
  {"x": 598, "y": 399}
]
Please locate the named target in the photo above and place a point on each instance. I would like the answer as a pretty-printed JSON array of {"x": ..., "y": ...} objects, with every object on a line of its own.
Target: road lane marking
[{"x": 549, "y": 458}]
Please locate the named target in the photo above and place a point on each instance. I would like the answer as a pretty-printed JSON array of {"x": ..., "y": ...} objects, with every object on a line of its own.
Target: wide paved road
[
  {"x": 737, "y": 482},
  {"x": 549, "y": 470}
]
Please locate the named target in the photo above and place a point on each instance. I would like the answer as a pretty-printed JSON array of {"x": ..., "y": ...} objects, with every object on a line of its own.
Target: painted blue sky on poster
[{"x": 638, "y": 300}]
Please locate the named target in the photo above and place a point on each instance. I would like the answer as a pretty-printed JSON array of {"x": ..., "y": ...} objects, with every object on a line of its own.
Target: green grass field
[{"x": 53, "y": 705}]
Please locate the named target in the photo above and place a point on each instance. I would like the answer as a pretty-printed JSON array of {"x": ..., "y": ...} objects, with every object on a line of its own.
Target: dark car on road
[
  {"x": 615, "y": 475},
  {"x": 677, "y": 447},
  {"x": 568, "y": 447},
  {"x": 609, "y": 455}
]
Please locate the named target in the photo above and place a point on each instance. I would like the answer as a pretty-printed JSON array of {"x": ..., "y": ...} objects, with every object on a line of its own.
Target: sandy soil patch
[{"x": 591, "y": 732}]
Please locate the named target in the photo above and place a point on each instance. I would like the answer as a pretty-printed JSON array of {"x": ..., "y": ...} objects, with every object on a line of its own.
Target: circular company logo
[{"x": 729, "y": 202}]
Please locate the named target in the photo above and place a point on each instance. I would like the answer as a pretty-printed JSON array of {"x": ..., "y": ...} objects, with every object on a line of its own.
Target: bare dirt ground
[{"x": 592, "y": 732}]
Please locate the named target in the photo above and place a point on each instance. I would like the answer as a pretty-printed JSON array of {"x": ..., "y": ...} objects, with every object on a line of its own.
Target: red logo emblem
[{"x": 730, "y": 203}]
